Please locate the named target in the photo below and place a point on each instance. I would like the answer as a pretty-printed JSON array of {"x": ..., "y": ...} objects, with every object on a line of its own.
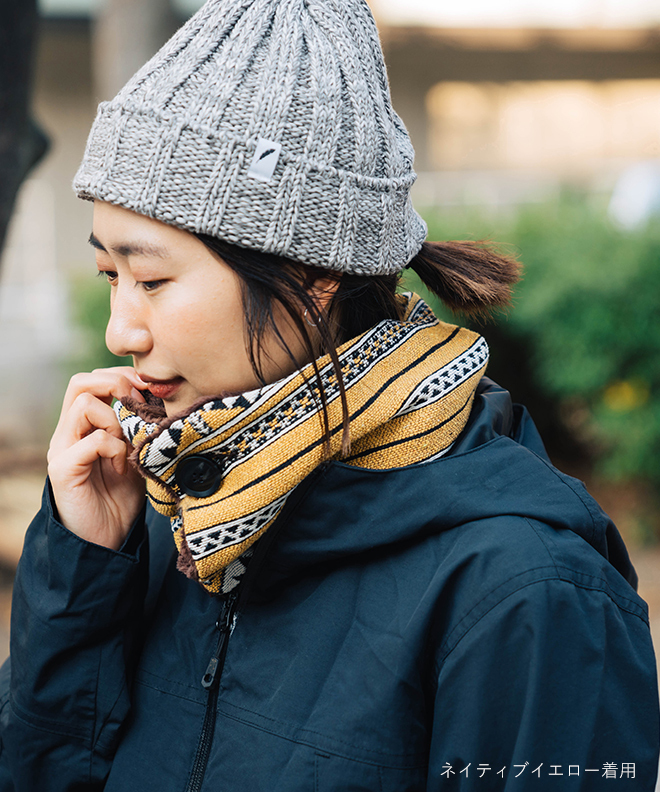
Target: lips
[{"x": 163, "y": 389}]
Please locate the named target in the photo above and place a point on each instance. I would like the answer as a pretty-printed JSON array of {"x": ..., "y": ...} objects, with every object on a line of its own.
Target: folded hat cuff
[{"x": 200, "y": 179}]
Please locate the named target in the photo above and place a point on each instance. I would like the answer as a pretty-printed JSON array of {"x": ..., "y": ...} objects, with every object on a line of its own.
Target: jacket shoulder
[{"x": 512, "y": 562}]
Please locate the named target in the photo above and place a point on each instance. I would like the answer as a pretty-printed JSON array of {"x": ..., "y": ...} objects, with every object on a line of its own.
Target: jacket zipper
[
  {"x": 210, "y": 682},
  {"x": 211, "y": 678}
]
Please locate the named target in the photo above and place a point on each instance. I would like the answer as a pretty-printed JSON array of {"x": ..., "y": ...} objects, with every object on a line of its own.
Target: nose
[{"x": 127, "y": 332}]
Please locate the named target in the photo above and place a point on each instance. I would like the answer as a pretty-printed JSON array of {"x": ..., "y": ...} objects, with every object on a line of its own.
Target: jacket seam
[
  {"x": 447, "y": 642},
  {"x": 605, "y": 586},
  {"x": 99, "y": 742},
  {"x": 46, "y": 725},
  {"x": 617, "y": 597},
  {"x": 144, "y": 671},
  {"x": 310, "y": 744},
  {"x": 144, "y": 683},
  {"x": 634, "y": 607},
  {"x": 539, "y": 536},
  {"x": 604, "y": 590},
  {"x": 567, "y": 483}
]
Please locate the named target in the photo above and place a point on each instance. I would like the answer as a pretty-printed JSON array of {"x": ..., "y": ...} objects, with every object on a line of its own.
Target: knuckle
[
  {"x": 103, "y": 438},
  {"x": 78, "y": 379},
  {"x": 85, "y": 399}
]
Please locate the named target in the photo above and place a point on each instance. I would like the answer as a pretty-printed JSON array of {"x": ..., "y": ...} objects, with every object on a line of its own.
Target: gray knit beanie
[{"x": 268, "y": 124}]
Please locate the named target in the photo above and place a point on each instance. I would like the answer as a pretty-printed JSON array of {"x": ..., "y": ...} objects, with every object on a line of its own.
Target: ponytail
[{"x": 469, "y": 277}]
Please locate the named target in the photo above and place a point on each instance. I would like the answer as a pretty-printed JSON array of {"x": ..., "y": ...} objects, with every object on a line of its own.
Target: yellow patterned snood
[{"x": 224, "y": 472}]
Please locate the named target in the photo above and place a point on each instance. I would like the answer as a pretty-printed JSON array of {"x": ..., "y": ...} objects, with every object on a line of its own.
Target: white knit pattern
[{"x": 178, "y": 141}]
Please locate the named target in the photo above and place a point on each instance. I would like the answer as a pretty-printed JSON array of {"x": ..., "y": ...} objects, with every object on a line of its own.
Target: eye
[
  {"x": 109, "y": 275},
  {"x": 152, "y": 285}
]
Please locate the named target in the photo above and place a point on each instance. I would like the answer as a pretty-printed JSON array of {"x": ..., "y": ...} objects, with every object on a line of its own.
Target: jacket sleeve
[
  {"x": 76, "y": 615},
  {"x": 546, "y": 678}
]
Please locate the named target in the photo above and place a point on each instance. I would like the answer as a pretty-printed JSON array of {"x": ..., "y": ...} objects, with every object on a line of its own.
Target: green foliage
[
  {"x": 587, "y": 312},
  {"x": 90, "y": 298}
]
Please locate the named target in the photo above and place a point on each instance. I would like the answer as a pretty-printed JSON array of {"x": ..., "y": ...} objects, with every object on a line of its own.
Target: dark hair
[{"x": 469, "y": 277}]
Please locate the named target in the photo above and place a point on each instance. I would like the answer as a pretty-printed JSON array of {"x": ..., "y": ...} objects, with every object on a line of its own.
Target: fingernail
[{"x": 137, "y": 395}]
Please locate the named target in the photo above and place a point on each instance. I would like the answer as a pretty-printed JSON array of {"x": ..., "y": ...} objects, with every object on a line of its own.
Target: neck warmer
[{"x": 224, "y": 471}]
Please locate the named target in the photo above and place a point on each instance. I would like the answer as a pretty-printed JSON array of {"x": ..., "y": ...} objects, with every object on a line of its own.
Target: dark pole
[{"x": 22, "y": 142}]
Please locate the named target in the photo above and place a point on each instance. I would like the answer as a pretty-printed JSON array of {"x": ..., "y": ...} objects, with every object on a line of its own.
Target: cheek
[{"x": 213, "y": 326}]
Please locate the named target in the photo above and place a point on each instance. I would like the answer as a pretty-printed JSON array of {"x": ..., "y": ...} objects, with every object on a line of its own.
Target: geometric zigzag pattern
[
  {"x": 409, "y": 386},
  {"x": 441, "y": 382}
]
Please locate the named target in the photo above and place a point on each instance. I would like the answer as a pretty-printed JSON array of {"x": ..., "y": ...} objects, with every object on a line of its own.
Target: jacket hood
[{"x": 497, "y": 467}]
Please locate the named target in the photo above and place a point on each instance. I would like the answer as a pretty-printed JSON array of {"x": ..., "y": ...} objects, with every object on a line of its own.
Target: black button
[{"x": 198, "y": 476}]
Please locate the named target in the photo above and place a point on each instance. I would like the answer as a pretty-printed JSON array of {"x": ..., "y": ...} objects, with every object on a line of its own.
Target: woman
[{"x": 386, "y": 585}]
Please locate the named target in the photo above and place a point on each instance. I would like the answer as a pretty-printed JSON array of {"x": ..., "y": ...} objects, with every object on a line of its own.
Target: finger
[
  {"x": 74, "y": 465},
  {"x": 128, "y": 371},
  {"x": 87, "y": 414},
  {"x": 105, "y": 384}
]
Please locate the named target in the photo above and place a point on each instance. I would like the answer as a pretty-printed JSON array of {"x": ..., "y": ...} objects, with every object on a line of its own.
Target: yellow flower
[{"x": 626, "y": 395}]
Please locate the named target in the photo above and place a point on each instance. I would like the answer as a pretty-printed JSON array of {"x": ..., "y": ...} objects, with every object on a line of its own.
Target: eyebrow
[{"x": 130, "y": 248}]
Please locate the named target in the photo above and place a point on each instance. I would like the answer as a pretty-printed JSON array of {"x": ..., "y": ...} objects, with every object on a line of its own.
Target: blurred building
[
  {"x": 507, "y": 114},
  {"x": 504, "y": 103}
]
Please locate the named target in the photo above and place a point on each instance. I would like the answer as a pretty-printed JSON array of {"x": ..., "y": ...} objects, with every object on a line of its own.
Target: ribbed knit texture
[
  {"x": 409, "y": 389},
  {"x": 179, "y": 140}
]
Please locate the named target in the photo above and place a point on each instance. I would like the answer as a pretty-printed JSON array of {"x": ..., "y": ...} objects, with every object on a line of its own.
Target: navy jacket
[{"x": 469, "y": 623}]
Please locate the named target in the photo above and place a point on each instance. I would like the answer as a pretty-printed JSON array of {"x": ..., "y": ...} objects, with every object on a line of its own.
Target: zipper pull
[
  {"x": 223, "y": 625},
  {"x": 209, "y": 677}
]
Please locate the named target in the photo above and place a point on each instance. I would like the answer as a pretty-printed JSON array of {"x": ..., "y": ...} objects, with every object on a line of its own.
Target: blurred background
[{"x": 536, "y": 125}]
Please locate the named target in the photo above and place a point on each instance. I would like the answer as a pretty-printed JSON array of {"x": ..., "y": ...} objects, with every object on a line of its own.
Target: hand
[{"x": 97, "y": 492}]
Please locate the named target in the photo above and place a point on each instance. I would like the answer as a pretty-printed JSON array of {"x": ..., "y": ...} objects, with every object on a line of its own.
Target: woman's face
[{"x": 177, "y": 309}]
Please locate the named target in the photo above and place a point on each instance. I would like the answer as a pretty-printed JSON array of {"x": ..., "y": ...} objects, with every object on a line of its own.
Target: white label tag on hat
[{"x": 265, "y": 160}]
